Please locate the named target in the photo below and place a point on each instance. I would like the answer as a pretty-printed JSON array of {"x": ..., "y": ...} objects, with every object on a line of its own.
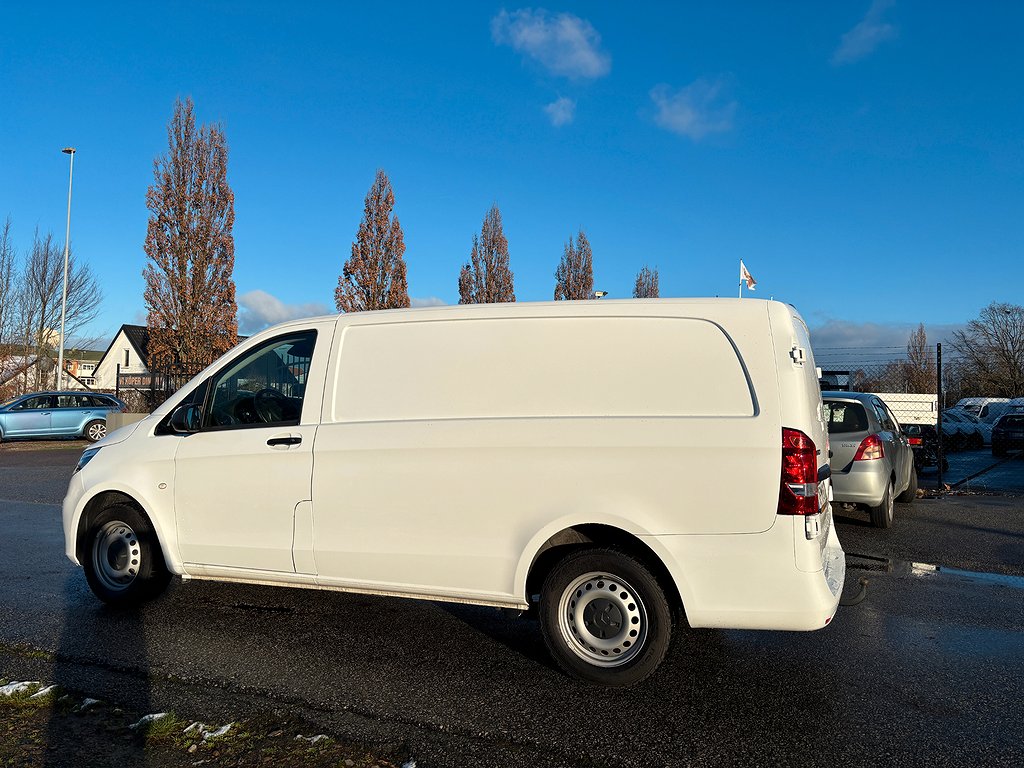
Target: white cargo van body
[{"x": 469, "y": 453}]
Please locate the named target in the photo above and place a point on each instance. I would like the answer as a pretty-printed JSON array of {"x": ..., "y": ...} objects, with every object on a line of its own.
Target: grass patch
[{"x": 55, "y": 730}]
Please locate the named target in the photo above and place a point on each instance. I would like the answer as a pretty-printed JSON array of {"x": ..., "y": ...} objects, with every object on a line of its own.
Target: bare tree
[
  {"x": 575, "y": 274},
  {"x": 919, "y": 370},
  {"x": 646, "y": 286},
  {"x": 190, "y": 249},
  {"x": 991, "y": 350},
  {"x": 374, "y": 276},
  {"x": 39, "y": 306},
  {"x": 487, "y": 279}
]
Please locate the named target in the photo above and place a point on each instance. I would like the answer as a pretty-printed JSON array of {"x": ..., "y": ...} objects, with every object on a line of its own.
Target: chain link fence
[{"x": 962, "y": 439}]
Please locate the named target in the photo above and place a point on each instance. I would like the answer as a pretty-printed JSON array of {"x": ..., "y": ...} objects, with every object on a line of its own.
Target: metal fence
[
  {"x": 955, "y": 449},
  {"x": 147, "y": 391}
]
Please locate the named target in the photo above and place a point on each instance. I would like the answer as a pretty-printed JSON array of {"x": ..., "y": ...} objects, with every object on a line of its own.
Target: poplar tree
[
  {"x": 487, "y": 279},
  {"x": 190, "y": 292},
  {"x": 575, "y": 274},
  {"x": 646, "y": 286},
  {"x": 374, "y": 276}
]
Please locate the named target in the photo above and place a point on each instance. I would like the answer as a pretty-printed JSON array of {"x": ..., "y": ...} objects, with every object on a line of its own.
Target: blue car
[{"x": 58, "y": 414}]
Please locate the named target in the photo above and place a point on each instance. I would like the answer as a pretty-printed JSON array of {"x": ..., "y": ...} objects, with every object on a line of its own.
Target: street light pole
[{"x": 64, "y": 295}]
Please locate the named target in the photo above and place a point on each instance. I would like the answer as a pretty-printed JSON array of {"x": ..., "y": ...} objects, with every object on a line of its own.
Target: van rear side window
[{"x": 539, "y": 367}]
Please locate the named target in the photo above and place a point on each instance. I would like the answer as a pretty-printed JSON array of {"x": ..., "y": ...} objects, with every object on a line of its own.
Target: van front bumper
[
  {"x": 757, "y": 580},
  {"x": 72, "y": 500}
]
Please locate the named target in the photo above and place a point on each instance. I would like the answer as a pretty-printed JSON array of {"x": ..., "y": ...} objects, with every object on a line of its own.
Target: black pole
[
  {"x": 938, "y": 416},
  {"x": 117, "y": 381}
]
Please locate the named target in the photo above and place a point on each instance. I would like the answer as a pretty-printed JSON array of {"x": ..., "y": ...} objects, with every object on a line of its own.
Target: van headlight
[{"x": 87, "y": 456}]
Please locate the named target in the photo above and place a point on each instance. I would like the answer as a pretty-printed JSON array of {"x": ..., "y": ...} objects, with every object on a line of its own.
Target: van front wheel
[
  {"x": 605, "y": 618},
  {"x": 122, "y": 558}
]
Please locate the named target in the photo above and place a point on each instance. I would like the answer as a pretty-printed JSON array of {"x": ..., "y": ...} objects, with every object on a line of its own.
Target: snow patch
[
  {"x": 12, "y": 688},
  {"x": 312, "y": 739},
  {"x": 411, "y": 763},
  {"x": 147, "y": 719},
  {"x": 43, "y": 692},
  {"x": 208, "y": 731}
]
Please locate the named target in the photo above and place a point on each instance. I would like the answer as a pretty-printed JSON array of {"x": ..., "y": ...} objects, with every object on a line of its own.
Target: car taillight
[
  {"x": 798, "y": 493},
  {"x": 870, "y": 448},
  {"x": 915, "y": 441}
]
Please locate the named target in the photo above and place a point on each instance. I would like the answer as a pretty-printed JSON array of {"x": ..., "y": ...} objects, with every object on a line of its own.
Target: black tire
[
  {"x": 95, "y": 430},
  {"x": 882, "y": 515},
  {"x": 605, "y": 618},
  {"x": 122, "y": 558},
  {"x": 911, "y": 492}
]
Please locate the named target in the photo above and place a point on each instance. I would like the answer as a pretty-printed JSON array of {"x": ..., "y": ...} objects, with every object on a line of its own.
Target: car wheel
[
  {"x": 911, "y": 493},
  {"x": 95, "y": 430},
  {"x": 122, "y": 558},
  {"x": 881, "y": 516},
  {"x": 605, "y": 618}
]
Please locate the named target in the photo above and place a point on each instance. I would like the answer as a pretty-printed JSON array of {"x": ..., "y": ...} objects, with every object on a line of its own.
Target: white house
[{"x": 128, "y": 354}]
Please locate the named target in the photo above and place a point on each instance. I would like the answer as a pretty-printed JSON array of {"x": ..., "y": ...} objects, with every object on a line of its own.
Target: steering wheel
[{"x": 270, "y": 405}]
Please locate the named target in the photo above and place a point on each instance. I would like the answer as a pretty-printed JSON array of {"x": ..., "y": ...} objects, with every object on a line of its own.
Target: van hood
[{"x": 119, "y": 435}]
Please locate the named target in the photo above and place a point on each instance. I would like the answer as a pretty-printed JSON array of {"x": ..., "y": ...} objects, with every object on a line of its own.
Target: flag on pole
[{"x": 746, "y": 277}]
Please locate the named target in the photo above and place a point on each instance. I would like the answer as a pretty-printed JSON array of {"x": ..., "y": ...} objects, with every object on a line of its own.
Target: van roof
[{"x": 598, "y": 306}]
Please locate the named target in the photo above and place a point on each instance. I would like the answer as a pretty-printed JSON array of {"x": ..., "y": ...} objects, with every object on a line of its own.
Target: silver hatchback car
[{"x": 872, "y": 461}]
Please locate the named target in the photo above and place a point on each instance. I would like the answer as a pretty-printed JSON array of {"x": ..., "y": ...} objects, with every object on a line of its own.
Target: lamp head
[{"x": 68, "y": 150}]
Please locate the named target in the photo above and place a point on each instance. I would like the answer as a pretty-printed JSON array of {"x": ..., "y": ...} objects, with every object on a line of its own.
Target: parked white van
[
  {"x": 987, "y": 409},
  {"x": 616, "y": 465}
]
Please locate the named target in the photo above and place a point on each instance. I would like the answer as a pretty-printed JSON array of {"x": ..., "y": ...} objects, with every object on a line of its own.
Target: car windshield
[
  {"x": 8, "y": 401},
  {"x": 1013, "y": 421},
  {"x": 845, "y": 417}
]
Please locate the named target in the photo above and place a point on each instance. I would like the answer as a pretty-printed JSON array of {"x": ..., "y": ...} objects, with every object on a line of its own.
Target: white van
[
  {"x": 615, "y": 464},
  {"x": 987, "y": 409}
]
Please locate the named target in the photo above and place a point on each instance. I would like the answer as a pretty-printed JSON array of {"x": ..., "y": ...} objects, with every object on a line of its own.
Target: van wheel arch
[
  {"x": 598, "y": 536},
  {"x": 96, "y": 505}
]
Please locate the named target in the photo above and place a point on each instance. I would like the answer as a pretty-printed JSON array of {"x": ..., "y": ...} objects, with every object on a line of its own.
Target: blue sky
[{"x": 863, "y": 159}]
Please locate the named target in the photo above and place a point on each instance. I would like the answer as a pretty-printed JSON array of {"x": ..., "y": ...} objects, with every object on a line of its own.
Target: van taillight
[
  {"x": 870, "y": 448},
  {"x": 798, "y": 494},
  {"x": 915, "y": 441}
]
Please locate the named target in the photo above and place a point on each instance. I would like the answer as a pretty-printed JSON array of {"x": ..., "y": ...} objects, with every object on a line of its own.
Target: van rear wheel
[
  {"x": 122, "y": 558},
  {"x": 605, "y": 618}
]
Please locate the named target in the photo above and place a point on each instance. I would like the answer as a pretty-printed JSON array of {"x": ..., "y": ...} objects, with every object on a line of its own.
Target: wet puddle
[{"x": 904, "y": 568}]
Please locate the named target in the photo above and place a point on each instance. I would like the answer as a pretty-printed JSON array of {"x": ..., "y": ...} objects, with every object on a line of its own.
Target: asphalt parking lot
[{"x": 927, "y": 670}]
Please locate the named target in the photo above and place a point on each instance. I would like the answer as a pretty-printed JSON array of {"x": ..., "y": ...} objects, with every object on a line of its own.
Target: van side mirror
[{"x": 186, "y": 419}]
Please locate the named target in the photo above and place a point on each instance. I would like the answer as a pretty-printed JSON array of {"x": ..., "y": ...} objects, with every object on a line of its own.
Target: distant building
[{"x": 128, "y": 354}]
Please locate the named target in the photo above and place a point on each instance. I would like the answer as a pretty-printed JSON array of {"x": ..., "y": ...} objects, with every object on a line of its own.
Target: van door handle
[{"x": 290, "y": 440}]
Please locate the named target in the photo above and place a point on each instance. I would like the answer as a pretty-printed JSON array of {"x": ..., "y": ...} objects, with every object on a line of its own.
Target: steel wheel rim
[
  {"x": 97, "y": 432},
  {"x": 116, "y": 555},
  {"x": 602, "y": 619}
]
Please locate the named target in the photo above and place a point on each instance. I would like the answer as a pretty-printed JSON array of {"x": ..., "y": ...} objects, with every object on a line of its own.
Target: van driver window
[{"x": 265, "y": 387}]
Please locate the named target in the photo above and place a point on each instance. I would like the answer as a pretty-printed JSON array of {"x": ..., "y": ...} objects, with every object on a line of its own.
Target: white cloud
[
  {"x": 564, "y": 44},
  {"x": 561, "y": 112},
  {"x": 427, "y": 301},
  {"x": 695, "y": 110},
  {"x": 258, "y": 310},
  {"x": 864, "y": 38}
]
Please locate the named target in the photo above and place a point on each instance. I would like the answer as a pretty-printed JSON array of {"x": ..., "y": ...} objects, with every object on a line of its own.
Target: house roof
[{"x": 138, "y": 337}]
